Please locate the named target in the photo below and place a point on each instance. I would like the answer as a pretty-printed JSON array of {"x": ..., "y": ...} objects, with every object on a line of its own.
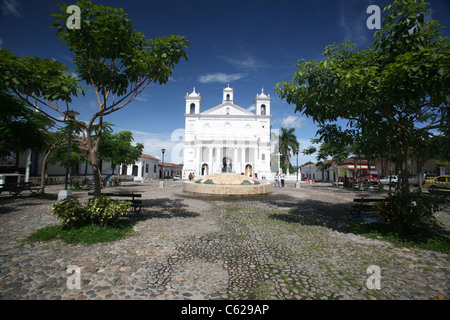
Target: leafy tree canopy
[{"x": 391, "y": 95}]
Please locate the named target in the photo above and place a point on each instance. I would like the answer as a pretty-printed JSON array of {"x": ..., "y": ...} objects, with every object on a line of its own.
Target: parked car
[
  {"x": 438, "y": 182},
  {"x": 389, "y": 179},
  {"x": 371, "y": 177},
  {"x": 414, "y": 179},
  {"x": 177, "y": 177}
]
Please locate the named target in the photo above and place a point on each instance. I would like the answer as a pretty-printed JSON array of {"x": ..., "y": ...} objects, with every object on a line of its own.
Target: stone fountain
[{"x": 227, "y": 184}]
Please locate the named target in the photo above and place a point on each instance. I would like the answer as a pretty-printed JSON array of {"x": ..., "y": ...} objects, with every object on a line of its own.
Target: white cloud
[
  {"x": 243, "y": 63},
  {"x": 353, "y": 21},
  {"x": 154, "y": 142},
  {"x": 142, "y": 98},
  {"x": 291, "y": 122},
  {"x": 251, "y": 108},
  {"x": 220, "y": 77}
]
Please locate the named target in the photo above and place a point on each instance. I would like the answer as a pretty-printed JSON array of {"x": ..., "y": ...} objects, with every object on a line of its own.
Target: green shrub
[
  {"x": 104, "y": 211},
  {"x": 101, "y": 211},
  {"x": 406, "y": 210},
  {"x": 70, "y": 211}
]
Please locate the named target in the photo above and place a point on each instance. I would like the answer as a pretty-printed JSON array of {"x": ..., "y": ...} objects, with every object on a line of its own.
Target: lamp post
[
  {"x": 70, "y": 114},
  {"x": 161, "y": 183}
]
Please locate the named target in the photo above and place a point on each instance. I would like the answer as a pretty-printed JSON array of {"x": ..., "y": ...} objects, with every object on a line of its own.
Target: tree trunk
[
  {"x": 95, "y": 171},
  {"x": 403, "y": 161},
  {"x": 44, "y": 165},
  {"x": 93, "y": 154}
]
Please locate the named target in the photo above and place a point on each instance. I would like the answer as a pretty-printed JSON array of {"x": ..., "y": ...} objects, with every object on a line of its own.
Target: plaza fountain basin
[{"x": 227, "y": 184}]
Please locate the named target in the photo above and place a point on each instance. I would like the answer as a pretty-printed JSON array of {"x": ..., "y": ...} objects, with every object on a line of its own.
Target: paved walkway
[{"x": 291, "y": 244}]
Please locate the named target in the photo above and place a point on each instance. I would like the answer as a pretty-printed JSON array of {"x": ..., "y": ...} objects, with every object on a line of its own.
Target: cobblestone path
[{"x": 291, "y": 244}]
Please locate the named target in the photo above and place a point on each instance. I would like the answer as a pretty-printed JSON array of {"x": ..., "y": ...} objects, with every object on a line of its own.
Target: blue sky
[{"x": 249, "y": 44}]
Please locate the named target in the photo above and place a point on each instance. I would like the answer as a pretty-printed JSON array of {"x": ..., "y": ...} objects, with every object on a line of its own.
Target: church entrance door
[
  {"x": 227, "y": 165},
  {"x": 248, "y": 170},
  {"x": 205, "y": 170}
]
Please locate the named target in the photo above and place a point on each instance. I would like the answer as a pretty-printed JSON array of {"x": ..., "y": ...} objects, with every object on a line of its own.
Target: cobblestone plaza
[{"x": 289, "y": 244}]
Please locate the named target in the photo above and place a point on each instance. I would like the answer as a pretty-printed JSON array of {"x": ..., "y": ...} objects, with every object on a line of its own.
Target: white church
[{"x": 227, "y": 138}]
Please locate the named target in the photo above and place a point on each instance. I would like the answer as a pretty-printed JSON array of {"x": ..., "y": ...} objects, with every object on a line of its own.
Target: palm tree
[{"x": 288, "y": 143}]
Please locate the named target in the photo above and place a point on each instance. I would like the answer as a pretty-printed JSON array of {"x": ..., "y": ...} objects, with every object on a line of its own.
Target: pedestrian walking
[
  {"x": 277, "y": 180},
  {"x": 283, "y": 176}
]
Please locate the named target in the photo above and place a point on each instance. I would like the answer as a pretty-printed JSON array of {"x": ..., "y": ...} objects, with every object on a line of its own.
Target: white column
[
  {"x": 255, "y": 161},
  {"x": 243, "y": 160},
  {"x": 197, "y": 161},
  {"x": 210, "y": 160},
  {"x": 235, "y": 167},
  {"x": 218, "y": 159}
]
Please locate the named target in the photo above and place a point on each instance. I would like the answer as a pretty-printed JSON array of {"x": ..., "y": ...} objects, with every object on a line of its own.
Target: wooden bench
[
  {"x": 16, "y": 188},
  {"x": 365, "y": 204},
  {"x": 135, "y": 203}
]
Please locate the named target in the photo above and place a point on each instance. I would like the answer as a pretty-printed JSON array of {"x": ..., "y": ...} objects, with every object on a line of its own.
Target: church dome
[
  {"x": 262, "y": 95},
  {"x": 193, "y": 94}
]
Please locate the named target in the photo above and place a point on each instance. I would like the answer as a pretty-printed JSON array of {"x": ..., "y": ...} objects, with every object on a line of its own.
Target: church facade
[{"x": 227, "y": 138}]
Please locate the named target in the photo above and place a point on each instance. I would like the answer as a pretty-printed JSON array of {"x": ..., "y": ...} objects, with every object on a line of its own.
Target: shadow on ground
[
  {"x": 302, "y": 211},
  {"x": 316, "y": 213},
  {"x": 10, "y": 203},
  {"x": 165, "y": 208}
]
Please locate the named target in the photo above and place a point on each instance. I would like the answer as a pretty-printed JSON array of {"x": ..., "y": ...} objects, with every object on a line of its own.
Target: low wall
[{"x": 226, "y": 189}]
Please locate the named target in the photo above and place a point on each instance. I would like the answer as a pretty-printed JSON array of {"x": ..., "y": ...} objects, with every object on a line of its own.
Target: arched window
[
  {"x": 228, "y": 97},
  {"x": 263, "y": 109},
  {"x": 192, "y": 108}
]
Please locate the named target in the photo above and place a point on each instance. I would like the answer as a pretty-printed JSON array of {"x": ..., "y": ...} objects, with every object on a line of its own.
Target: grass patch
[
  {"x": 87, "y": 234},
  {"x": 262, "y": 292},
  {"x": 231, "y": 210},
  {"x": 424, "y": 237}
]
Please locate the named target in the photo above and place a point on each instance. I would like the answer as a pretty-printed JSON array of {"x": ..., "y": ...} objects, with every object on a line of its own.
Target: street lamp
[
  {"x": 70, "y": 114},
  {"x": 161, "y": 183}
]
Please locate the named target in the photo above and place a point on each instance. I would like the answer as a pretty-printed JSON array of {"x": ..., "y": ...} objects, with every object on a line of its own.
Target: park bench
[
  {"x": 364, "y": 203},
  {"x": 15, "y": 188},
  {"x": 135, "y": 203}
]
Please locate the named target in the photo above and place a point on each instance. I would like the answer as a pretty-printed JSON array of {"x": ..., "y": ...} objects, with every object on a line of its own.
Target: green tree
[
  {"x": 390, "y": 94},
  {"x": 118, "y": 149},
  {"x": 20, "y": 128},
  {"x": 109, "y": 55},
  {"x": 116, "y": 61},
  {"x": 288, "y": 143}
]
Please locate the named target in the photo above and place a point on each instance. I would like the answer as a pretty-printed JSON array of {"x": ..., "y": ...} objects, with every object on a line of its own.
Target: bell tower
[
  {"x": 228, "y": 94},
  {"x": 262, "y": 104},
  {"x": 193, "y": 102}
]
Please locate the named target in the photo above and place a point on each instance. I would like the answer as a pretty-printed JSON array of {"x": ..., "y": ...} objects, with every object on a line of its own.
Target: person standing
[
  {"x": 283, "y": 176},
  {"x": 277, "y": 181}
]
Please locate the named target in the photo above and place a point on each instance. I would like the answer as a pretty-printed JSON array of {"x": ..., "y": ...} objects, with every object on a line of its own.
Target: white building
[
  {"x": 146, "y": 167},
  {"x": 227, "y": 137},
  {"x": 150, "y": 168}
]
